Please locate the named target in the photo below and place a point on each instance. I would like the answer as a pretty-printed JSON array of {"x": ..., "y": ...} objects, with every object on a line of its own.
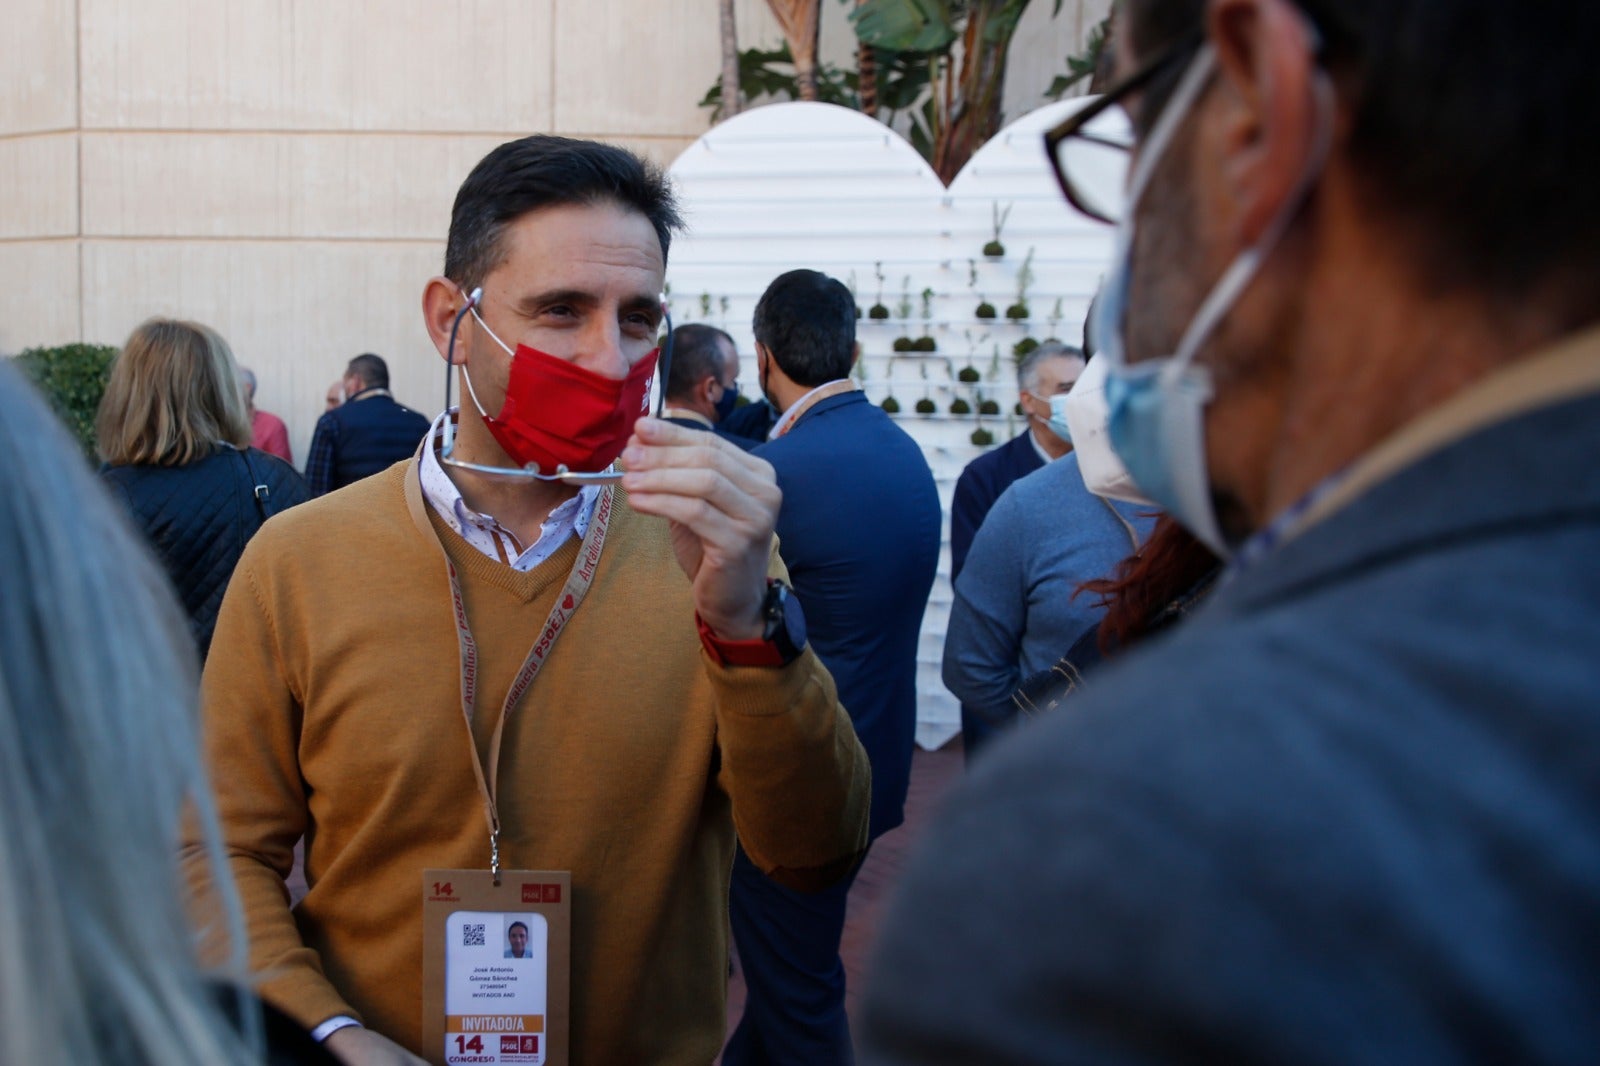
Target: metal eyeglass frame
[{"x": 532, "y": 471}]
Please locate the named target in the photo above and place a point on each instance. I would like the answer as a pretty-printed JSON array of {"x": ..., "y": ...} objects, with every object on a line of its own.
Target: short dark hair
[
  {"x": 371, "y": 369},
  {"x": 1468, "y": 128},
  {"x": 807, "y": 320},
  {"x": 515, "y": 925},
  {"x": 696, "y": 352},
  {"x": 543, "y": 171}
]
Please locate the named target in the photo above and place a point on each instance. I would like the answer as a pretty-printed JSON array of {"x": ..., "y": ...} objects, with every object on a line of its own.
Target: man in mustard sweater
[{"x": 610, "y": 673}]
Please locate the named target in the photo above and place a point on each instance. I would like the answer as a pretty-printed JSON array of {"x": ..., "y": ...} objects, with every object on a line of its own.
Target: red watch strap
[{"x": 737, "y": 652}]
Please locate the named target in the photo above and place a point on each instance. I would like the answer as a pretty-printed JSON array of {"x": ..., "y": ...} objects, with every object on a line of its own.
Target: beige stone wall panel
[
  {"x": 294, "y": 311},
  {"x": 40, "y": 280},
  {"x": 39, "y": 66},
  {"x": 303, "y": 65},
  {"x": 625, "y": 70},
  {"x": 40, "y": 177},
  {"x": 312, "y": 186}
]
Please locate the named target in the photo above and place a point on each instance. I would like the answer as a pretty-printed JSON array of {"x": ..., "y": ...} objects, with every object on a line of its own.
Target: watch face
[{"x": 786, "y": 625}]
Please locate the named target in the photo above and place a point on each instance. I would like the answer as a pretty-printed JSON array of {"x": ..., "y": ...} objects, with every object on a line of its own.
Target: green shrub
[{"x": 72, "y": 378}]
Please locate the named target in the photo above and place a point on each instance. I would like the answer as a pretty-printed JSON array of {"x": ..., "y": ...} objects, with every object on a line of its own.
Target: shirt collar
[
  {"x": 687, "y": 415},
  {"x": 822, "y": 392},
  {"x": 482, "y": 531}
]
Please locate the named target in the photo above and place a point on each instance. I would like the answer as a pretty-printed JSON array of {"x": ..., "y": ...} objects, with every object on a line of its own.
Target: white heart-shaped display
[{"x": 824, "y": 187}]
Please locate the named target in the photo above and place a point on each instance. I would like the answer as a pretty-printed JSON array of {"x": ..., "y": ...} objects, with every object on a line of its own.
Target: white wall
[{"x": 810, "y": 185}]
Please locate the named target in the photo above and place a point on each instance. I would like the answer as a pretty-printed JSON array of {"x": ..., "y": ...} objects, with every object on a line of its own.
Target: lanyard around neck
[
  {"x": 807, "y": 402},
  {"x": 567, "y": 602}
]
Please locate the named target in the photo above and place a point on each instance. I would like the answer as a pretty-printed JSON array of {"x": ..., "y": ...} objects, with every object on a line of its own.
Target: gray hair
[
  {"x": 99, "y": 764},
  {"x": 1028, "y": 365}
]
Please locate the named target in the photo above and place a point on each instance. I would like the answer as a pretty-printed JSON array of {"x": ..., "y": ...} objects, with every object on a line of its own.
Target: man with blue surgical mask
[
  {"x": 1044, "y": 377},
  {"x": 1345, "y": 813}
]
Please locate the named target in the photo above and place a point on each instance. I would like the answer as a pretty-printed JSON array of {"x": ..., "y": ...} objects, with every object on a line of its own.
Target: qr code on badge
[{"x": 472, "y": 936}]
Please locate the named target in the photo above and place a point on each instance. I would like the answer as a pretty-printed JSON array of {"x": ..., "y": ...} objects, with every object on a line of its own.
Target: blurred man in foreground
[{"x": 1346, "y": 812}]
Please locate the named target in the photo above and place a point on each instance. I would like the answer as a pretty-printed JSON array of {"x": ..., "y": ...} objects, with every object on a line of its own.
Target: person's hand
[
  {"x": 723, "y": 505},
  {"x": 356, "y": 1046}
]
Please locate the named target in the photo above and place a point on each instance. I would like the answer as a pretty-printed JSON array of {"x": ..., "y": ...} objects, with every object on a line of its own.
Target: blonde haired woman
[
  {"x": 173, "y": 432},
  {"x": 98, "y": 762}
]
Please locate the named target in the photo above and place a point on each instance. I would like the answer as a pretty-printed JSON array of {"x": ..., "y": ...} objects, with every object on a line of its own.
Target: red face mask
[{"x": 558, "y": 414}]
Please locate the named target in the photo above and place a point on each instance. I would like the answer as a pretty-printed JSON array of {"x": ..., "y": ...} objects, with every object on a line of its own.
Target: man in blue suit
[
  {"x": 367, "y": 433},
  {"x": 859, "y": 530}
]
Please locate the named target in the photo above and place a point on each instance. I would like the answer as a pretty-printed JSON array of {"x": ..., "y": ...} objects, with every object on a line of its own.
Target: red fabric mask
[{"x": 557, "y": 414}]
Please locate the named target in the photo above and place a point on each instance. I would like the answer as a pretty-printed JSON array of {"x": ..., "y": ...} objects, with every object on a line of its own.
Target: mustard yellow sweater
[{"x": 332, "y": 710}]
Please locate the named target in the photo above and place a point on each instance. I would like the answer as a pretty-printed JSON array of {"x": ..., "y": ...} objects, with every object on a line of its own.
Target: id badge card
[{"x": 496, "y": 966}]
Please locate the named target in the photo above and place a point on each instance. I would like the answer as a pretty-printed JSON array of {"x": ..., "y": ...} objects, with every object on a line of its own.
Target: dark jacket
[
  {"x": 980, "y": 485},
  {"x": 357, "y": 439},
  {"x": 859, "y": 531},
  {"x": 738, "y": 442},
  {"x": 1346, "y": 813},
  {"x": 198, "y": 517}
]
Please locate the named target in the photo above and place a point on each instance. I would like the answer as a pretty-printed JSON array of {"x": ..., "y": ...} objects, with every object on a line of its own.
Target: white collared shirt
[
  {"x": 488, "y": 536},
  {"x": 684, "y": 412},
  {"x": 1033, "y": 439}
]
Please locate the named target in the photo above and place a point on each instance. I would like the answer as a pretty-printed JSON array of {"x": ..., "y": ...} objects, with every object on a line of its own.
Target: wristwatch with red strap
[{"x": 783, "y": 636}]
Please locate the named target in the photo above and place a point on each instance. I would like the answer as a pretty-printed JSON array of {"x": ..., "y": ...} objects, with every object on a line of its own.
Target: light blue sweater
[{"x": 1014, "y": 612}]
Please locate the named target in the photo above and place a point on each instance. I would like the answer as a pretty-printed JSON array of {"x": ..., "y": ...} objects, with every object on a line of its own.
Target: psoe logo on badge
[
  {"x": 510, "y": 1045},
  {"x": 534, "y": 893}
]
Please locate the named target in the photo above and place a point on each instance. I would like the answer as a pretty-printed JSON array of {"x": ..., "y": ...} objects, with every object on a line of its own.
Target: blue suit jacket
[
  {"x": 359, "y": 438},
  {"x": 859, "y": 531}
]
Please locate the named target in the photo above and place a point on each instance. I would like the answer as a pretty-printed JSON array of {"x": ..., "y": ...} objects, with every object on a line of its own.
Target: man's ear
[
  {"x": 442, "y": 300},
  {"x": 704, "y": 389},
  {"x": 1268, "y": 111}
]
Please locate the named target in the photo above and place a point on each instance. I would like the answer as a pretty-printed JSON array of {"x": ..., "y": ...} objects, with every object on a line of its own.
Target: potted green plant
[
  {"x": 926, "y": 406},
  {"x": 878, "y": 311},
  {"x": 969, "y": 375},
  {"x": 994, "y": 249},
  {"x": 925, "y": 343},
  {"x": 988, "y": 407},
  {"x": 1019, "y": 310},
  {"x": 890, "y": 405},
  {"x": 1024, "y": 347},
  {"x": 959, "y": 406},
  {"x": 982, "y": 437}
]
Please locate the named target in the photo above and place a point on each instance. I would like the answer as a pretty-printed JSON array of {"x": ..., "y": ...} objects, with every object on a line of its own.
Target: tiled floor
[{"x": 931, "y": 773}]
